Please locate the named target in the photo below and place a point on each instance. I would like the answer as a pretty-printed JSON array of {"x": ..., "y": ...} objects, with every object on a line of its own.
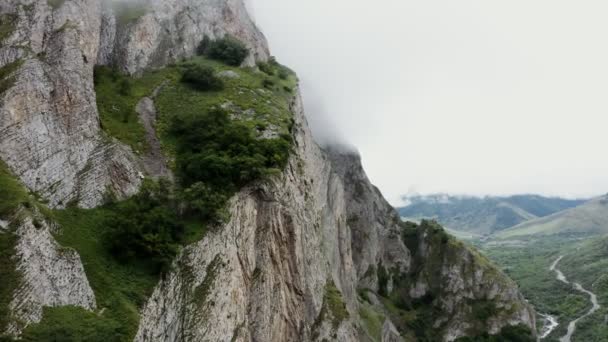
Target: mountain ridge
[{"x": 482, "y": 215}]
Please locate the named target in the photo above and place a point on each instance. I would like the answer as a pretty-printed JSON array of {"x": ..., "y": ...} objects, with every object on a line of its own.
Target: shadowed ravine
[{"x": 592, "y": 297}]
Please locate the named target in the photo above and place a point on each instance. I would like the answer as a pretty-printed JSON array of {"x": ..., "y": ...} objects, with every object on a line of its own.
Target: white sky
[{"x": 467, "y": 97}]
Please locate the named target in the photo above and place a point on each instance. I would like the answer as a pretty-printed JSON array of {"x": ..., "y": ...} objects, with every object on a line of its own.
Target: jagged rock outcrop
[
  {"x": 264, "y": 276},
  {"x": 51, "y": 275},
  {"x": 300, "y": 248}
]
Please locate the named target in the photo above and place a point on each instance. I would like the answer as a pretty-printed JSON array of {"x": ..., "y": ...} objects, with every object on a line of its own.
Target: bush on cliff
[
  {"x": 146, "y": 227},
  {"x": 227, "y": 49},
  {"x": 202, "y": 78}
]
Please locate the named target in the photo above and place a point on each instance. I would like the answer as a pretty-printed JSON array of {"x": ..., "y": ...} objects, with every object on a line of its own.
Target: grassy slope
[
  {"x": 270, "y": 106},
  {"x": 120, "y": 120},
  {"x": 589, "y": 218}
]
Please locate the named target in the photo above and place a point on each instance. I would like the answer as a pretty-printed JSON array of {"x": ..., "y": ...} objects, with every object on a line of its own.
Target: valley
[{"x": 560, "y": 262}]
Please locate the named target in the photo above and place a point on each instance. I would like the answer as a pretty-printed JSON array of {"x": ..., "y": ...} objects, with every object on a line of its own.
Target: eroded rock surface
[{"x": 51, "y": 275}]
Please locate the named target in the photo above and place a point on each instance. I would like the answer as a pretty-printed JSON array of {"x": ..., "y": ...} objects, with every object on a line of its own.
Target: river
[{"x": 592, "y": 298}]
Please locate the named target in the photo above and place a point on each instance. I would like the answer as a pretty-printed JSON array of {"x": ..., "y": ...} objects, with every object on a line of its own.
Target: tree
[{"x": 228, "y": 50}]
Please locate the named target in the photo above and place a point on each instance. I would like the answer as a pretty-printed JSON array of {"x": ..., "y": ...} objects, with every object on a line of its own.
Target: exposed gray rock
[
  {"x": 154, "y": 160},
  {"x": 228, "y": 74},
  {"x": 170, "y": 30},
  {"x": 390, "y": 333},
  {"x": 50, "y": 135},
  {"x": 52, "y": 276}
]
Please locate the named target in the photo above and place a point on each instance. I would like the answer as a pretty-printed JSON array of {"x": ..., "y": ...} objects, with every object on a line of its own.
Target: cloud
[{"x": 470, "y": 97}]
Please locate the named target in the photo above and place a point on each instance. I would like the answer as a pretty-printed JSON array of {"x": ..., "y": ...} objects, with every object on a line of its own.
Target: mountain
[
  {"x": 590, "y": 218},
  {"x": 482, "y": 215},
  {"x": 160, "y": 183}
]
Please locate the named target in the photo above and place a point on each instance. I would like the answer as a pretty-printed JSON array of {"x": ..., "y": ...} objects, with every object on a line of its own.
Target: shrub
[
  {"x": 268, "y": 83},
  {"x": 146, "y": 227},
  {"x": 202, "y": 201},
  {"x": 125, "y": 87},
  {"x": 228, "y": 50},
  {"x": 266, "y": 68},
  {"x": 283, "y": 74},
  {"x": 70, "y": 323},
  {"x": 202, "y": 78},
  {"x": 216, "y": 156},
  {"x": 203, "y": 47},
  {"x": 518, "y": 333}
]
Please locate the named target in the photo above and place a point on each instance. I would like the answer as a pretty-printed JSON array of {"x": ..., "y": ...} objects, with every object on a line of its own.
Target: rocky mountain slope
[
  {"x": 311, "y": 252},
  {"x": 483, "y": 215}
]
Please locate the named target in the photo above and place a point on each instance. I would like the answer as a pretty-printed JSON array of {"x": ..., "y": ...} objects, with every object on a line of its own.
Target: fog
[{"x": 469, "y": 97}]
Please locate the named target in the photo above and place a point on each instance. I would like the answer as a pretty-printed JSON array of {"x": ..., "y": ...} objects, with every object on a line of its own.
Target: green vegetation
[
  {"x": 528, "y": 264},
  {"x": 334, "y": 306},
  {"x": 7, "y": 26},
  {"x": 416, "y": 318},
  {"x": 485, "y": 215},
  {"x": 13, "y": 193},
  {"x": 216, "y": 156},
  {"x": 121, "y": 288},
  {"x": 273, "y": 68},
  {"x": 117, "y": 98},
  {"x": 7, "y": 75},
  {"x": 72, "y": 324},
  {"x": 11, "y": 278},
  {"x": 55, "y": 4},
  {"x": 510, "y": 333},
  {"x": 372, "y": 321},
  {"x": 118, "y": 95},
  {"x": 587, "y": 263},
  {"x": 146, "y": 227},
  {"x": 202, "y": 78},
  {"x": 483, "y": 310},
  {"x": 227, "y": 49},
  {"x": 590, "y": 218}
]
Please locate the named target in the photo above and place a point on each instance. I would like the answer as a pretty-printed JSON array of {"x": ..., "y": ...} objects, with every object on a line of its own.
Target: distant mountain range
[
  {"x": 588, "y": 218},
  {"x": 483, "y": 215}
]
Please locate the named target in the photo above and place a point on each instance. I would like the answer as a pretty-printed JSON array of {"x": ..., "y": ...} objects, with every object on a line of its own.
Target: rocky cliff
[{"x": 313, "y": 253}]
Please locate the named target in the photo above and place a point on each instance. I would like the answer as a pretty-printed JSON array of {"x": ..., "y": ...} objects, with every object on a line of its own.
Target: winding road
[{"x": 592, "y": 297}]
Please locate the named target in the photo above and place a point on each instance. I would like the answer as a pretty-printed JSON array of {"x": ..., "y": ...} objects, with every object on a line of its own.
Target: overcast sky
[{"x": 466, "y": 97}]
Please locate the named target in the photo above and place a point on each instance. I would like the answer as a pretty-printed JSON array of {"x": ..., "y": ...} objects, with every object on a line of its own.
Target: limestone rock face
[
  {"x": 263, "y": 276},
  {"x": 169, "y": 30},
  {"x": 50, "y": 135},
  {"x": 51, "y": 276}
]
